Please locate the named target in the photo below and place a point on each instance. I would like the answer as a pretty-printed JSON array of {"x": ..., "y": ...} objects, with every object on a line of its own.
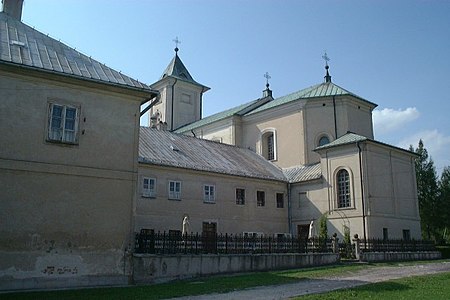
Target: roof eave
[{"x": 147, "y": 91}]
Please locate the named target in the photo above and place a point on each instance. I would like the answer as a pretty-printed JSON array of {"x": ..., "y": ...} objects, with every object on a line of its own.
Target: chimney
[{"x": 13, "y": 8}]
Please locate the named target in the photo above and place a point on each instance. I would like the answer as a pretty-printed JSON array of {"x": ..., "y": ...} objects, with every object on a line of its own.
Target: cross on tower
[
  {"x": 177, "y": 41},
  {"x": 267, "y": 76},
  {"x": 326, "y": 58}
]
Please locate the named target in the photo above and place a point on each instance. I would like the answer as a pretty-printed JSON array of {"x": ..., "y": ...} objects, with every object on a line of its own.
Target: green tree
[
  {"x": 444, "y": 201},
  {"x": 427, "y": 192}
]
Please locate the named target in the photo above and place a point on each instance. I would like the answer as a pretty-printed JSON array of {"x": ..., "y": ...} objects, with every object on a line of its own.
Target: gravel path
[{"x": 312, "y": 286}]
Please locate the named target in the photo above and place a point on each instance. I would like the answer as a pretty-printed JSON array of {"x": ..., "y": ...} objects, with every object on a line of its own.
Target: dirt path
[{"x": 312, "y": 286}]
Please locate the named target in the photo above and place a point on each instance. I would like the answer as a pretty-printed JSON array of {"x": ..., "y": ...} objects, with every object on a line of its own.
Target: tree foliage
[
  {"x": 444, "y": 201},
  {"x": 430, "y": 194}
]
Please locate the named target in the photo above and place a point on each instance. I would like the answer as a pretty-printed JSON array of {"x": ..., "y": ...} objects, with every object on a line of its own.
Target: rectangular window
[
  {"x": 63, "y": 123},
  {"x": 209, "y": 194},
  {"x": 175, "y": 190},
  {"x": 149, "y": 187},
  {"x": 260, "y": 198},
  {"x": 280, "y": 200},
  {"x": 240, "y": 196}
]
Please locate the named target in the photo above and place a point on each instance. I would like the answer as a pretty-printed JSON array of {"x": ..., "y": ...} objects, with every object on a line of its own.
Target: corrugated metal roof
[
  {"x": 325, "y": 89},
  {"x": 303, "y": 173},
  {"x": 164, "y": 148},
  {"x": 24, "y": 46}
]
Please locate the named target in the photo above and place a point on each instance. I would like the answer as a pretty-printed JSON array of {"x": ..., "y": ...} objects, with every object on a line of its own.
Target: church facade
[{"x": 322, "y": 138}]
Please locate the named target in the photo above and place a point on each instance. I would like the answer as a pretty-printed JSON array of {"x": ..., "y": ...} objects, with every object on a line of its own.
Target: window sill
[
  {"x": 174, "y": 199},
  {"x": 61, "y": 143},
  {"x": 209, "y": 202},
  {"x": 148, "y": 197}
]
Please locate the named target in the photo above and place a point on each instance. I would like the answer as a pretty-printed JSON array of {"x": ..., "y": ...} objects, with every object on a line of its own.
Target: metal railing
[
  {"x": 195, "y": 243},
  {"x": 381, "y": 245}
]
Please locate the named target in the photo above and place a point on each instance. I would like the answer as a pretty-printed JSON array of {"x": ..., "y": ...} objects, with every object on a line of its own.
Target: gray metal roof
[
  {"x": 24, "y": 46},
  {"x": 157, "y": 147},
  {"x": 303, "y": 173}
]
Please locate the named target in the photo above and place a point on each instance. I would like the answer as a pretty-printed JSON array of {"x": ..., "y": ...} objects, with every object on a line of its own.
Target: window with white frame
[
  {"x": 209, "y": 193},
  {"x": 63, "y": 123},
  {"x": 240, "y": 196},
  {"x": 280, "y": 200},
  {"x": 268, "y": 145},
  {"x": 175, "y": 190},
  {"x": 260, "y": 198},
  {"x": 343, "y": 189},
  {"x": 149, "y": 187}
]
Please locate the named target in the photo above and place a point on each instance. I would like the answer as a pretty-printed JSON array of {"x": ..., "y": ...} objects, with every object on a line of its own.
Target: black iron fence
[
  {"x": 381, "y": 245},
  {"x": 194, "y": 243}
]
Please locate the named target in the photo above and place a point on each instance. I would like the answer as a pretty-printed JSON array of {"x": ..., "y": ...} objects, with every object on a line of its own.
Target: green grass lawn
[
  {"x": 198, "y": 286},
  {"x": 433, "y": 287}
]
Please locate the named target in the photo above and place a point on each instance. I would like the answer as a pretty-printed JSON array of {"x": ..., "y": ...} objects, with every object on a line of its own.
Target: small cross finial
[
  {"x": 326, "y": 58},
  {"x": 177, "y": 41},
  {"x": 267, "y": 76}
]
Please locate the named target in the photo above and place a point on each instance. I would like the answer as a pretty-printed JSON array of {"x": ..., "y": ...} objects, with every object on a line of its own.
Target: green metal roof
[
  {"x": 325, "y": 89},
  {"x": 348, "y": 138},
  {"x": 216, "y": 117},
  {"x": 351, "y": 138}
]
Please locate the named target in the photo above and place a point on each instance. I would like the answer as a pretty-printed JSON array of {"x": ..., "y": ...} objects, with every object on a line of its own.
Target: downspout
[
  {"x": 328, "y": 188},
  {"x": 201, "y": 101},
  {"x": 362, "y": 191},
  {"x": 289, "y": 208},
  {"x": 171, "y": 115},
  {"x": 335, "y": 122}
]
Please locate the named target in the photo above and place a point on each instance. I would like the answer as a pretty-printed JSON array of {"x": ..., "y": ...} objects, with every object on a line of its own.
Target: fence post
[{"x": 357, "y": 241}]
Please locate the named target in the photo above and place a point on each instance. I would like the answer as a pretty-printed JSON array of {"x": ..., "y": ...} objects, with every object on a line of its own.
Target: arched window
[
  {"x": 268, "y": 145},
  {"x": 323, "y": 141},
  {"x": 343, "y": 189}
]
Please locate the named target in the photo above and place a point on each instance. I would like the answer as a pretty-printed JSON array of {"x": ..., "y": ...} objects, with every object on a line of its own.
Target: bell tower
[{"x": 181, "y": 96}]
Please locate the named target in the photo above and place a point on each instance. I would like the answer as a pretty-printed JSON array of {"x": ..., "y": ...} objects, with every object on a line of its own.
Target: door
[{"x": 209, "y": 237}]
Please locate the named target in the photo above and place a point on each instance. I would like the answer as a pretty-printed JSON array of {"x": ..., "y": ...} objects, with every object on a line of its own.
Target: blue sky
[{"x": 393, "y": 53}]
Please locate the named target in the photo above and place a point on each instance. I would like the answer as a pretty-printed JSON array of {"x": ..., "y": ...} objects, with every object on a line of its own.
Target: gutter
[{"x": 362, "y": 191}]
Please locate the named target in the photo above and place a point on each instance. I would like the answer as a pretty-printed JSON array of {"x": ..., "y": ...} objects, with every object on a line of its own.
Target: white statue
[
  {"x": 311, "y": 229},
  {"x": 185, "y": 226}
]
